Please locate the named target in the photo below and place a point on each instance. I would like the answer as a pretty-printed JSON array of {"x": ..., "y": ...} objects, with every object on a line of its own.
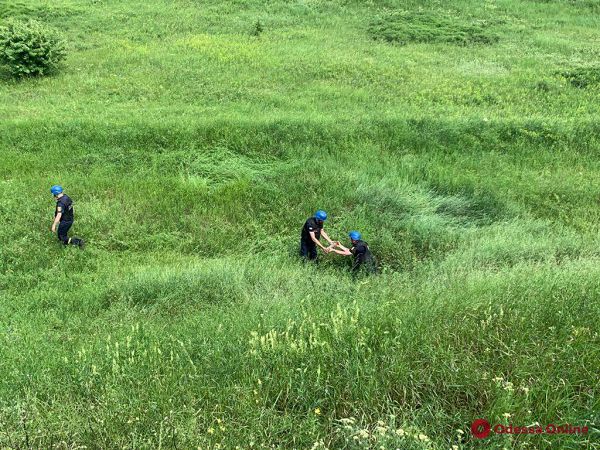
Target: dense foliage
[{"x": 29, "y": 48}]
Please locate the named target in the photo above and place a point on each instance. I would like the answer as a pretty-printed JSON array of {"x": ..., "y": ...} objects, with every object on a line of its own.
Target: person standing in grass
[
  {"x": 363, "y": 258},
  {"x": 311, "y": 235},
  {"x": 64, "y": 217}
]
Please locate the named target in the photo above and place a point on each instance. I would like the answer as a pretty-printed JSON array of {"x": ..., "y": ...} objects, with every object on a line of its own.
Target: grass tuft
[
  {"x": 404, "y": 27},
  {"x": 583, "y": 77}
]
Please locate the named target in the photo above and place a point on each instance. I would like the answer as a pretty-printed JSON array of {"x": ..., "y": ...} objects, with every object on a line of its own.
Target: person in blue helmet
[
  {"x": 311, "y": 236},
  {"x": 64, "y": 217},
  {"x": 363, "y": 258}
]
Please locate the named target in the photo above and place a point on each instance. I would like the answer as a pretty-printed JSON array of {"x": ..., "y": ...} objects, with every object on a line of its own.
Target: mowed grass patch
[{"x": 181, "y": 62}]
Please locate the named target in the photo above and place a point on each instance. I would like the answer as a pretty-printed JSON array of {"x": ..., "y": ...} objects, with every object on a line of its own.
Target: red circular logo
[{"x": 480, "y": 428}]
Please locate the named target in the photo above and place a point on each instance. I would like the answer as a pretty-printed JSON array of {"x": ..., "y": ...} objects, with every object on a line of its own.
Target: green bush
[{"x": 30, "y": 48}]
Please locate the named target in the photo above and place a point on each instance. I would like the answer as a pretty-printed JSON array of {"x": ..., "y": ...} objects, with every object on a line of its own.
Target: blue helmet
[
  {"x": 56, "y": 189},
  {"x": 354, "y": 235},
  {"x": 321, "y": 215}
]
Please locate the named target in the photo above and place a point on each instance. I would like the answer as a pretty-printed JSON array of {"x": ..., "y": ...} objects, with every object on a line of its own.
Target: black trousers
[
  {"x": 308, "y": 250},
  {"x": 63, "y": 230},
  {"x": 364, "y": 264}
]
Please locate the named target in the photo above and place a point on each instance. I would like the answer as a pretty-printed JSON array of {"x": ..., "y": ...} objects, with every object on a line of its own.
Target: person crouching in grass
[{"x": 363, "y": 258}]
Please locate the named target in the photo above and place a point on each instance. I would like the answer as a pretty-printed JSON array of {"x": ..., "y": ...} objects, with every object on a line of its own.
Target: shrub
[
  {"x": 30, "y": 48},
  {"x": 420, "y": 26}
]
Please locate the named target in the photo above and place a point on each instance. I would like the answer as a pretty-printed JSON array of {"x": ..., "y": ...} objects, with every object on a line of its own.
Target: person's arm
[
  {"x": 316, "y": 241},
  {"x": 344, "y": 251},
  {"x": 57, "y": 219},
  {"x": 326, "y": 237}
]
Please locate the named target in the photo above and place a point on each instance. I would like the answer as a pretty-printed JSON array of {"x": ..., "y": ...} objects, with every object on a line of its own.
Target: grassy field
[{"x": 461, "y": 138}]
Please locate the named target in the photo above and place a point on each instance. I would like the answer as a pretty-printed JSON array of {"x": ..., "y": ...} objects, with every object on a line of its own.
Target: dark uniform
[
  {"x": 363, "y": 258},
  {"x": 66, "y": 219},
  {"x": 308, "y": 249}
]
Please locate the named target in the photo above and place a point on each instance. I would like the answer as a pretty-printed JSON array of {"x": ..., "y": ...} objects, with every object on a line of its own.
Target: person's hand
[
  {"x": 327, "y": 249},
  {"x": 338, "y": 243},
  {"x": 53, "y": 229}
]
